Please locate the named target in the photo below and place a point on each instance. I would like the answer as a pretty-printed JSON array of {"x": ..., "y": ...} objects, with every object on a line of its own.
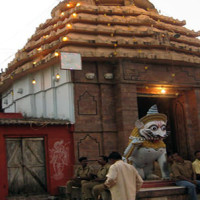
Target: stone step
[
  {"x": 32, "y": 197},
  {"x": 157, "y": 183},
  {"x": 177, "y": 192}
]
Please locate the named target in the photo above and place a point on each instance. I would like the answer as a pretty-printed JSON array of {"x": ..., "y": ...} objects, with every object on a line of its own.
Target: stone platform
[
  {"x": 161, "y": 190},
  {"x": 151, "y": 190}
]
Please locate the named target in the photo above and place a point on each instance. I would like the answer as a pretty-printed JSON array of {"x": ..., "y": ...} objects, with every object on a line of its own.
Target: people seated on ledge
[
  {"x": 92, "y": 189},
  {"x": 184, "y": 175},
  {"x": 196, "y": 164},
  {"x": 82, "y": 174}
]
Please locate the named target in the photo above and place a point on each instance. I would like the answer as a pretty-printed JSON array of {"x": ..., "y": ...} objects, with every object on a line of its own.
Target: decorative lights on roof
[
  {"x": 69, "y": 26},
  {"x": 74, "y": 15},
  {"x": 69, "y": 5},
  {"x": 56, "y": 54},
  {"x": 62, "y": 13},
  {"x": 64, "y": 39}
]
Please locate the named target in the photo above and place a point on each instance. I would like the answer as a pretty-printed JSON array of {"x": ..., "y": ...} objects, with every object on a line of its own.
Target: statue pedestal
[{"x": 161, "y": 190}]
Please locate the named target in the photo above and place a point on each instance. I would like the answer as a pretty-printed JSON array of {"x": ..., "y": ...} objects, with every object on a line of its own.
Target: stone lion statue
[{"x": 146, "y": 144}]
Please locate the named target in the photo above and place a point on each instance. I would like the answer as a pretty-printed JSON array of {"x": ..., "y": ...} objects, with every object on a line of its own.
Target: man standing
[
  {"x": 81, "y": 175},
  {"x": 184, "y": 175},
  {"x": 94, "y": 187},
  {"x": 123, "y": 180},
  {"x": 196, "y": 164}
]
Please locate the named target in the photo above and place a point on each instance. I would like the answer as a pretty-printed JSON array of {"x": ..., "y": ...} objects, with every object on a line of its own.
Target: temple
[{"x": 131, "y": 58}]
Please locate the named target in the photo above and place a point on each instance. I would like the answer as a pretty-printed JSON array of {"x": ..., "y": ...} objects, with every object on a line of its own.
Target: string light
[
  {"x": 39, "y": 49},
  {"x": 74, "y": 15},
  {"x": 65, "y": 38},
  {"x": 62, "y": 14},
  {"x": 45, "y": 36},
  {"x": 56, "y": 54},
  {"x": 78, "y": 4},
  {"x": 69, "y": 26},
  {"x": 69, "y": 5}
]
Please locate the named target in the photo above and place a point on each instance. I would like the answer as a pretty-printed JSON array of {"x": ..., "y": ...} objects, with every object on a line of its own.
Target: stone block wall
[{"x": 106, "y": 109}]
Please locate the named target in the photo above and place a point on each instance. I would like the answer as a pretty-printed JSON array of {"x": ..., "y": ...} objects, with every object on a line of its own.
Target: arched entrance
[{"x": 173, "y": 108}]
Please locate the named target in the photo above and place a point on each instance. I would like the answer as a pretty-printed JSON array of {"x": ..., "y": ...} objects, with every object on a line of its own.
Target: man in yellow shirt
[
  {"x": 196, "y": 164},
  {"x": 81, "y": 175},
  {"x": 93, "y": 188}
]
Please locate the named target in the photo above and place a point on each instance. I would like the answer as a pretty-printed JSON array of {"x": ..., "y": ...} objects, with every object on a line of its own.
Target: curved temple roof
[{"x": 106, "y": 29}]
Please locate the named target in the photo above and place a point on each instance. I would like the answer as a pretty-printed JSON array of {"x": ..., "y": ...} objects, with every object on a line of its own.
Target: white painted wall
[{"x": 46, "y": 99}]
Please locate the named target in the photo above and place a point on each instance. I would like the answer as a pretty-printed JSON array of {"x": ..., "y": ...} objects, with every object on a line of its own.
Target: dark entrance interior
[{"x": 165, "y": 105}]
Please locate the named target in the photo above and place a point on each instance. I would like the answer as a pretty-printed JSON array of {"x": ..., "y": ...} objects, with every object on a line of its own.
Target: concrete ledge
[
  {"x": 162, "y": 192},
  {"x": 76, "y": 192}
]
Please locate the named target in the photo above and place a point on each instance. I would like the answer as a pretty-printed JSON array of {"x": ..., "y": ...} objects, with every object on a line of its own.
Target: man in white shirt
[{"x": 123, "y": 180}]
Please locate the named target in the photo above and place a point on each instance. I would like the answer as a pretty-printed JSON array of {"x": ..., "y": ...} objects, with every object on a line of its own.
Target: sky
[{"x": 19, "y": 19}]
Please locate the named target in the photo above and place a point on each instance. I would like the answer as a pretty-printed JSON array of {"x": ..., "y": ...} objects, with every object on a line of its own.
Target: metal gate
[{"x": 26, "y": 166}]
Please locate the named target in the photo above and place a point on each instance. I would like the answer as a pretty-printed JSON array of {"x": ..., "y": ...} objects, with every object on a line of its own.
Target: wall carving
[
  {"x": 87, "y": 105},
  {"x": 89, "y": 147},
  {"x": 59, "y": 155}
]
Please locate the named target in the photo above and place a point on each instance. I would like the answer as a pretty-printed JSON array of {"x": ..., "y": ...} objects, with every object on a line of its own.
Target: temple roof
[{"x": 106, "y": 29}]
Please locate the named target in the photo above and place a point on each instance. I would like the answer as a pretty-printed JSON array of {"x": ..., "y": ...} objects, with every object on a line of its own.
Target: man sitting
[
  {"x": 81, "y": 175},
  {"x": 184, "y": 175},
  {"x": 94, "y": 187}
]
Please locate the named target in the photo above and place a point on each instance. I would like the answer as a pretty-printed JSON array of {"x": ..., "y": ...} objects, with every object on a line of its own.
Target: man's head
[
  {"x": 176, "y": 157},
  {"x": 169, "y": 157},
  {"x": 114, "y": 156},
  {"x": 83, "y": 161},
  {"x": 102, "y": 160},
  {"x": 197, "y": 155}
]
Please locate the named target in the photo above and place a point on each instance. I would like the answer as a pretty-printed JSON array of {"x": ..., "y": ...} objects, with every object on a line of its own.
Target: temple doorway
[{"x": 175, "y": 142}]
